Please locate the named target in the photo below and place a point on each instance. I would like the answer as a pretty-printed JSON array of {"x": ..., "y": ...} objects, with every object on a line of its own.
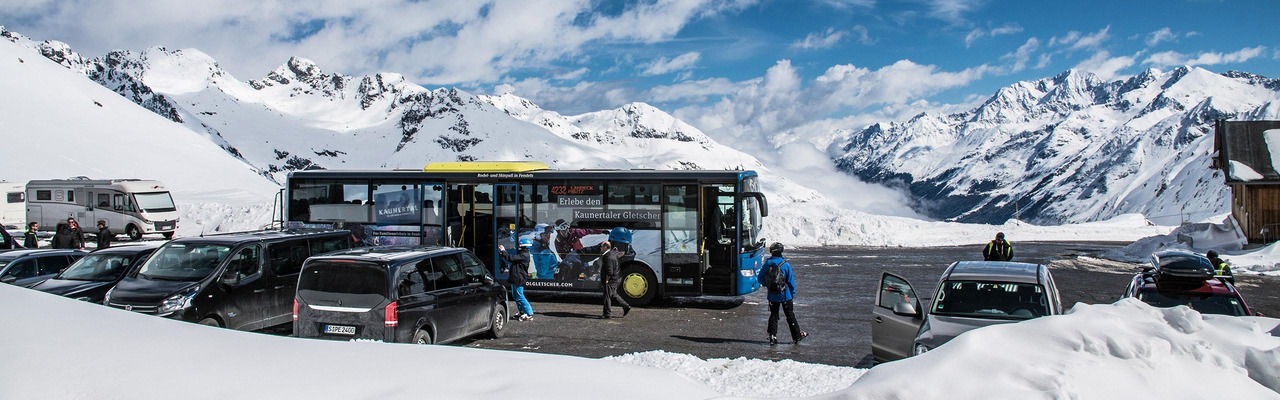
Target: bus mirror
[{"x": 764, "y": 204}]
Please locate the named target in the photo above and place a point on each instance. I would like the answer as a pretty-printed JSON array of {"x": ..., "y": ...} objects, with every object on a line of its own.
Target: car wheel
[
  {"x": 498, "y": 322},
  {"x": 211, "y": 322},
  {"x": 422, "y": 337},
  {"x": 168, "y": 235},
  {"x": 639, "y": 286},
  {"x": 134, "y": 233}
]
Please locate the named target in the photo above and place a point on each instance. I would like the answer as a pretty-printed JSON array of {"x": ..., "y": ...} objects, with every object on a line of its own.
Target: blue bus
[{"x": 687, "y": 233}]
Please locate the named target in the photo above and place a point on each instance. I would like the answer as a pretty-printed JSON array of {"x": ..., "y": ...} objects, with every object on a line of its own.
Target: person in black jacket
[
  {"x": 104, "y": 235},
  {"x": 609, "y": 280},
  {"x": 998, "y": 249},
  {"x": 77, "y": 234},
  {"x": 29, "y": 239},
  {"x": 62, "y": 237},
  {"x": 517, "y": 275}
]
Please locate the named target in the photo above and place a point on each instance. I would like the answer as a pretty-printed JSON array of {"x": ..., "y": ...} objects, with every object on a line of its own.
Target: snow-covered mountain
[
  {"x": 1067, "y": 149},
  {"x": 300, "y": 117}
]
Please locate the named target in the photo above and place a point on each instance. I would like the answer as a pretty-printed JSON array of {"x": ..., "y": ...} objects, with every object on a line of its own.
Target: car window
[
  {"x": 894, "y": 290},
  {"x": 996, "y": 300},
  {"x": 1206, "y": 304},
  {"x": 246, "y": 262},
  {"x": 184, "y": 261},
  {"x": 53, "y": 264},
  {"x": 472, "y": 268},
  {"x": 22, "y": 269},
  {"x": 287, "y": 257},
  {"x": 412, "y": 280},
  {"x": 98, "y": 267},
  {"x": 325, "y": 245},
  {"x": 448, "y": 266},
  {"x": 343, "y": 284}
]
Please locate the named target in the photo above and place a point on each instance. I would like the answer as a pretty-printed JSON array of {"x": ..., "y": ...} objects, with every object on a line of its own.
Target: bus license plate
[{"x": 340, "y": 329}]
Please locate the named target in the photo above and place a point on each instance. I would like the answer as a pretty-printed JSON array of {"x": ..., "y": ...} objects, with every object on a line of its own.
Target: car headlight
[
  {"x": 179, "y": 301},
  {"x": 919, "y": 349}
]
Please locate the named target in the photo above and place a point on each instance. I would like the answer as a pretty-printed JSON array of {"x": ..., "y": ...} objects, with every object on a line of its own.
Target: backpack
[{"x": 774, "y": 281}]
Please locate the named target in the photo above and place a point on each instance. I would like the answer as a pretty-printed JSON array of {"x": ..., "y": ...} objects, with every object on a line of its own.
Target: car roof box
[{"x": 1178, "y": 265}]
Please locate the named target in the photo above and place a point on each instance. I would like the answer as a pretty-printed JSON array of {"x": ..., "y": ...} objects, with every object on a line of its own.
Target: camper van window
[
  {"x": 155, "y": 202},
  {"x": 44, "y": 195},
  {"x": 71, "y": 196},
  {"x": 14, "y": 197},
  {"x": 104, "y": 200}
]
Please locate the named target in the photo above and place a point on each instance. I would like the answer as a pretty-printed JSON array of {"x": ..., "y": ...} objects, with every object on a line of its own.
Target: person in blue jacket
[
  {"x": 782, "y": 298},
  {"x": 544, "y": 258},
  {"x": 517, "y": 275}
]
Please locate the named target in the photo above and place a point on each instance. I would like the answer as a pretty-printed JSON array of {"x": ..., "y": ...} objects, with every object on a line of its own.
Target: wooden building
[{"x": 1249, "y": 154}]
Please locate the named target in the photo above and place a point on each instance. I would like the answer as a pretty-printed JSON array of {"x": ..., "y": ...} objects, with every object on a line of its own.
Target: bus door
[
  {"x": 433, "y": 214},
  {"x": 682, "y": 266},
  {"x": 469, "y": 212},
  {"x": 719, "y": 239},
  {"x": 506, "y": 206}
]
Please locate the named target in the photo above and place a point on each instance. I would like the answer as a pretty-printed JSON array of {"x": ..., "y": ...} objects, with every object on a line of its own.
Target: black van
[
  {"x": 242, "y": 281},
  {"x": 405, "y": 294}
]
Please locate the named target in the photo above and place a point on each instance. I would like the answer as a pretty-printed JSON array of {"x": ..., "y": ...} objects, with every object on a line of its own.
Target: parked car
[
  {"x": 91, "y": 277},
  {"x": 27, "y": 267},
  {"x": 971, "y": 295},
  {"x": 242, "y": 281},
  {"x": 405, "y": 294},
  {"x": 1182, "y": 278}
]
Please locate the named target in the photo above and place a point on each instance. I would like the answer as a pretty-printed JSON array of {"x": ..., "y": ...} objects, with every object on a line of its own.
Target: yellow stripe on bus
[{"x": 484, "y": 166}]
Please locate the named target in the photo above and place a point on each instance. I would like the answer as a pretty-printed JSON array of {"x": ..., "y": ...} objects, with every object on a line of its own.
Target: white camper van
[
  {"x": 132, "y": 206},
  {"x": 13, "y": 209}
]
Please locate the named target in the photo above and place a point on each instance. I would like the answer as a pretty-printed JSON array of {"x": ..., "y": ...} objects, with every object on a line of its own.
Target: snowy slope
[{"x": 1071, "y": 148}]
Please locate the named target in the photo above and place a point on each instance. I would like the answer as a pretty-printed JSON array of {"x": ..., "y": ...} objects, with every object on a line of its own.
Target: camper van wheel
[{"x": 134, "y": 233}]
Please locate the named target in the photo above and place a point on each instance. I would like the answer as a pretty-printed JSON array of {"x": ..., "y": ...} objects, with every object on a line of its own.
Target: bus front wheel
[{"x": 639, "y": 286}]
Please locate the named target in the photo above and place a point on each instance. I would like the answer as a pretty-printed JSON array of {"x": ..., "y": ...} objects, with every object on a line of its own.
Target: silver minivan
[{"x": 971, "y": 295}]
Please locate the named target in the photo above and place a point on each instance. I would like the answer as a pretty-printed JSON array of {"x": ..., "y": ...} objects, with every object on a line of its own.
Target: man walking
[
  {"x": 776, "y": 276},
  {"x": 104, "y": 235},
  {"x": 998, "y": 249},
  {"x": 609, "y": 280}
]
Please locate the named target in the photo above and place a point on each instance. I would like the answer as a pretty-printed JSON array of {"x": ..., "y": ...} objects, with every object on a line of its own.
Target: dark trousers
[
  {"x": 789, "y": 309},
  {"x": 611, "y": 295}
]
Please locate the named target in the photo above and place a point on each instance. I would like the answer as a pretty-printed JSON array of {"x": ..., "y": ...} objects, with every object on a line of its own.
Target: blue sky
[{"x": 719, "y": 64}]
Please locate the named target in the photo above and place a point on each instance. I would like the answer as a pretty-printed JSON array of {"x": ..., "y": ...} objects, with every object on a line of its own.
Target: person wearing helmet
[
  {"x": 1220, "y": 267},
  {"x": 517, "y": 275},
  {"x": 777, "y": 268},
  {"x": 998, "y": 249},
  {"x": 544, "y": 259},
  {"x": 570, "y": 249}
]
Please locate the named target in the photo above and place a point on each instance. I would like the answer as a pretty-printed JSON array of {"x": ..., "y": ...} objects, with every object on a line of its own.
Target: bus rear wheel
[{"x": 639, "y": 287}]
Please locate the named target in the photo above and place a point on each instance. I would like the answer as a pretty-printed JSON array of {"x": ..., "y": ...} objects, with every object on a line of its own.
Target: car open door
[{"x": 897, "y": 318}]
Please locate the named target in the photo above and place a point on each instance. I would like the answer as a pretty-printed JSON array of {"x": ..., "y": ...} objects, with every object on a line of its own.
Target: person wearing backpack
[{"x": 776, "y": 277}]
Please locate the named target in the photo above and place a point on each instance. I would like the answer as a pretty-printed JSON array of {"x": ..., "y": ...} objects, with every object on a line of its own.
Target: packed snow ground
[{"x": 1110, "y": 351}]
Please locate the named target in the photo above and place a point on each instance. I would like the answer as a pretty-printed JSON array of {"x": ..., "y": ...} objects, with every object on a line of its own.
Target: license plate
[{"x": 340, "y": 329}]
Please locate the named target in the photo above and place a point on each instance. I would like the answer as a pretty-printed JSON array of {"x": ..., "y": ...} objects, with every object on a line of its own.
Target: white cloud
[
  {"x": 1173, "y": 58},
  {"x": 1076, "y": 41},
  {"x": 432, "y": 41},
  {"x": 1104, "y": 65},
  {"x": 953, "y": 10},
  {"x": 1022, "y": 55},
  {"x": 695, "y": 91},
  {"x": 846, "y": 4},
  {"x": 979, "y": 33},
  {"x": 1161, "y": 35},
  {"x": 663, "y": 65},
  {"x": 820, "y": 40}
]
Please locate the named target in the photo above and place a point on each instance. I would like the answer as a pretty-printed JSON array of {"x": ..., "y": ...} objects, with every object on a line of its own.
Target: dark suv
[
  {"x": 406, "y": 294},
  {"x": 242, "y": 281},
  {"x": 27, "y": 267},
  {"x": 92, "y": 276},
  {"x": 1182, "y": 278}
]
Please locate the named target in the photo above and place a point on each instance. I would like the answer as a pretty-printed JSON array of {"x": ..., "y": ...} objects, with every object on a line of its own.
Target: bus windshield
[
  {"x": 184, "y": 261},
  {"x": 155, "y": 202}
]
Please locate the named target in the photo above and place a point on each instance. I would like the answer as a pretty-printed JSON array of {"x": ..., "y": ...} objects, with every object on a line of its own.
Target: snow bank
[
  {"x": 751, "y": 377},
  {"x": 1223, "y": 237}
]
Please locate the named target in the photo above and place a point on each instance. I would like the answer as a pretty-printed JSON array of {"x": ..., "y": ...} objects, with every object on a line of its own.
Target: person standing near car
[
  {"x": 998, "y": 249},
  {"x": 609, "y": 281},
  {"x": 1220, "y": 266},
  {"x": 29, "y": 239},
  {"x": 104, "y": 235},
  {"x": 77, "y": 234},
  {"x": 517, "y": 275},
  {"x": 777, "y": 270}
]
